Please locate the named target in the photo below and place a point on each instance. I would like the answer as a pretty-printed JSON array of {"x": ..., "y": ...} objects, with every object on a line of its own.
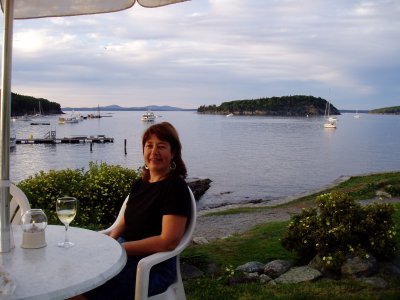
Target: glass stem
[{"x": 66, "y": 241}]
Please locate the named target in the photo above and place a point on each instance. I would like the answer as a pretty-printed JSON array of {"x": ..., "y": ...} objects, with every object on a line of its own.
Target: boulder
[
  {"x": 299, "y": 274},
  {"x": 276, "y": 268},
  {"x": 251, "y": 267},
  {"x": 375, "y": 281},
  {"x": 359, "y": 267},
  {"x": 190, "y": 271},
  {"x": 198, "y": 186}
]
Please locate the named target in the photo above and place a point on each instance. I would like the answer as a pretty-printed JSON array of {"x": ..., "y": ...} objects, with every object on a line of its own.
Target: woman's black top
[{"x": 148, "y": 202}]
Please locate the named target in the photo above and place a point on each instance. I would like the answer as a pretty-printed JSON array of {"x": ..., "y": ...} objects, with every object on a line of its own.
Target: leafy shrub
[
  {"x": 393, "y": 189},
  {"x": 338, "y": 227},
  {"x": 101, "y": 191}
]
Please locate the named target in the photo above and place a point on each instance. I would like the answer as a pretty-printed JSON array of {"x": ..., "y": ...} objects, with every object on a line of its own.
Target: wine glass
[{"x": 66, "y": 211}]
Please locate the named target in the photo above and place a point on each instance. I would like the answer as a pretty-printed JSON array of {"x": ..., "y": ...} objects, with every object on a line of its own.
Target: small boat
[
  {"x": 72, "y": 118},
  {"x": 229, "y": 115},
  {"x": 148, "y": 117},
  {"x": 357, "y": 115},
  {"x": 95, "y": 115},
  {"x": 40, "y": 113},
  {"x": 25, "y": 118},
  {"x": 331, "y": 122}
]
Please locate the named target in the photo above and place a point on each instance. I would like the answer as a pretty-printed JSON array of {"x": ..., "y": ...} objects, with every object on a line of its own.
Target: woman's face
[{"x": 157, "y": 156}]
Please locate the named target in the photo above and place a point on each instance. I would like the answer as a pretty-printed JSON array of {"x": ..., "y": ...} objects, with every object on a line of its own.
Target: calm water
[{"x": 247, "y": 158}]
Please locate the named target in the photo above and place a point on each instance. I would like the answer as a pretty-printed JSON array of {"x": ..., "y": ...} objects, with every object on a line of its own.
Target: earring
[
  {"x": 172, "y": 165},
  {"x": 146, "y": 167}
]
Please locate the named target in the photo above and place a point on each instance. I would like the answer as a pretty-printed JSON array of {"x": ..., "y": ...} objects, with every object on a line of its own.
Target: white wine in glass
[{"x": 66, "y": 211}]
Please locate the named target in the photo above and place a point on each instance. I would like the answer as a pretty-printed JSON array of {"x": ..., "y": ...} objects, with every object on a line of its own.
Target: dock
[
  {"x": 50, "y": 138},
  {"x": 40, "y": 123}
]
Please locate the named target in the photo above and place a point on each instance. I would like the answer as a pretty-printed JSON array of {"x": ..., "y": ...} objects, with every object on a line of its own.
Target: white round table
[{"x": 53, "y": 272}]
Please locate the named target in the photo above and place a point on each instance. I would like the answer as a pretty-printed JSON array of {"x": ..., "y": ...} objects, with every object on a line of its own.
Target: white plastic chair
[
  {"x": 18, "y": 205},
  {"x": 176, "y": 290}
]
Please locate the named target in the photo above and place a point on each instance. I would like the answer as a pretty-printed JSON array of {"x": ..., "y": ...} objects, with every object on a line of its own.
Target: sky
[{"x": 205, "y": 52}]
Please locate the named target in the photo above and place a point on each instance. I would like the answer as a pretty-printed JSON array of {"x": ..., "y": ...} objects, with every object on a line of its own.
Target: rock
[
  {"x": 190, "y": 272},
  {"x": 317, "y": 263},
  {"x": 396, "y": 261},
  {"x": 383, "y": 194},
  {"x": 299, "y": 274},
  {"x": 200, "y": 240},
  {"x": 264, "y": 278},
  {"x": 251, "y": 267},
  {"x": 243, "y": 277},
  {"x": 198, "y": 186},
  {"x": 211, "y": 268},
  {"x": 390, "y": 268},
  {"x": 276, "y": 268},
  {"x": 375, "y": 281},
  {"x": 357, "y": 267}
]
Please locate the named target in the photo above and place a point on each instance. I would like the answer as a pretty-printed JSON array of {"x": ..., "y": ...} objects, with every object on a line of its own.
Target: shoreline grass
[
  {"x": 262, "y": 243},
  {"x": 360, "y": 187}
]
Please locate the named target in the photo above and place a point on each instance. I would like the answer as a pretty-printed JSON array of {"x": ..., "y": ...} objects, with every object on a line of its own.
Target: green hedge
[{"x": 100, "y": 191}]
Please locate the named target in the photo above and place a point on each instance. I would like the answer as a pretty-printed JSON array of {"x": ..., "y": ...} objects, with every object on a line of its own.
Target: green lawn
[{"x": 262, "y": 243}]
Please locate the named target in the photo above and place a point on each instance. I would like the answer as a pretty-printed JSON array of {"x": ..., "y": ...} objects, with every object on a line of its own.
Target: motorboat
[
  {"x": 229, "y": 115},
  {"x": 148, "y": 116},
  {"x": 69, "y": 119},
  {"x": 72, "y": 118}
]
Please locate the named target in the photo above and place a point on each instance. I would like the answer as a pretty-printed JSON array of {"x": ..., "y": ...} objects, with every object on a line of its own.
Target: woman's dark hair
[{"x": 166, "y": 132}]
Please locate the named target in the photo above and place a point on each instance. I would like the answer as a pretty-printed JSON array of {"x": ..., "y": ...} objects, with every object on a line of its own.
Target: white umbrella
[{"x": 30, "y": 9}]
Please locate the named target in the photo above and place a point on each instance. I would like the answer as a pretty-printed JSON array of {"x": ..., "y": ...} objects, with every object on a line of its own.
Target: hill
[
  {"x": 393, "y": 110},
  {"x": 119, "y": 108},
  {"x": 28, "y": 105},
  {"x": 298, "y": 105}
]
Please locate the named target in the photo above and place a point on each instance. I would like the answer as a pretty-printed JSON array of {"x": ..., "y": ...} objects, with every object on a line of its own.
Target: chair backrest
[
  {"x": 145, "y": 264},
  {"x": 18, "y": 205}
]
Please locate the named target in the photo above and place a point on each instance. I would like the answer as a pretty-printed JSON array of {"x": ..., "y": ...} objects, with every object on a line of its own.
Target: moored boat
[{"x": 148, "y": 116}]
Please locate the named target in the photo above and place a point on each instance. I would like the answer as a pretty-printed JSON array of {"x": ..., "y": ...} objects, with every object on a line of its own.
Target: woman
[{"x": 155, "y": 217}]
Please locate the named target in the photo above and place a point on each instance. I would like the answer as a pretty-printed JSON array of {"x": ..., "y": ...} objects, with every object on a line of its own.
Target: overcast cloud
[{"x": 205, "y": 52}]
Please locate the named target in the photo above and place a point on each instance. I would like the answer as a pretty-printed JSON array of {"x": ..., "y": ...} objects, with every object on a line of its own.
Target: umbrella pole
[{"x": 5, "y": 243}]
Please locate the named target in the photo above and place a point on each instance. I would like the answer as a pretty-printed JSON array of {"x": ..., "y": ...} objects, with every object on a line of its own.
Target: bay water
[{"x": 246, "y": 157}]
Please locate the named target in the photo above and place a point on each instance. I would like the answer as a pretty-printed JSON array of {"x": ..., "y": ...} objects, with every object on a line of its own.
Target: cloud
[{"x": 206, "y": 52}]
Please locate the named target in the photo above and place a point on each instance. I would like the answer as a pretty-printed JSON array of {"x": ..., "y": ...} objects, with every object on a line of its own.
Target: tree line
[
  {"x": 297, "y": 105},
  {"x": 28, "y": 105},
  {"x": 394, "y": 110}
]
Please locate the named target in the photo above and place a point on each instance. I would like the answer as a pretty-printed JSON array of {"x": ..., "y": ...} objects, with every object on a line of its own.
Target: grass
[{"x": 262, "y": 243}]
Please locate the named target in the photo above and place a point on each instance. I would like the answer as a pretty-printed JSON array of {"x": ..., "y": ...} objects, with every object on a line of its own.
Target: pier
[{"x": 50, "y": 138}]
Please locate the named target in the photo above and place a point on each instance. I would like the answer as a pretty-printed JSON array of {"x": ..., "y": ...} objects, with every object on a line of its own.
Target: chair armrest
[{"x": 143, "y": 270}]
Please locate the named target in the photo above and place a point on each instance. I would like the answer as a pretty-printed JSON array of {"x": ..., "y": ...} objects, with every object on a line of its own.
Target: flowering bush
[
  {"x": 100, "y": 191},
  {"x": 338, "y": 227}
]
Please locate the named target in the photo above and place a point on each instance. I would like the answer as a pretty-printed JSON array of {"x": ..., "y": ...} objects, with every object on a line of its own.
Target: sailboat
[
  {"x": 95, "y": 115},
  {"x": 40, "y": 113},
  {"x": 356, "y": 115},
  {"x": 331, "y": 122}
]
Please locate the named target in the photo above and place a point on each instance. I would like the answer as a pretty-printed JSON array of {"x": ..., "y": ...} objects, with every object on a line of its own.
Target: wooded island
[
  {"x": 28, "y": 105},
  {"x": 393, "y": 110},
  {"x": 296, "y": 106}
]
